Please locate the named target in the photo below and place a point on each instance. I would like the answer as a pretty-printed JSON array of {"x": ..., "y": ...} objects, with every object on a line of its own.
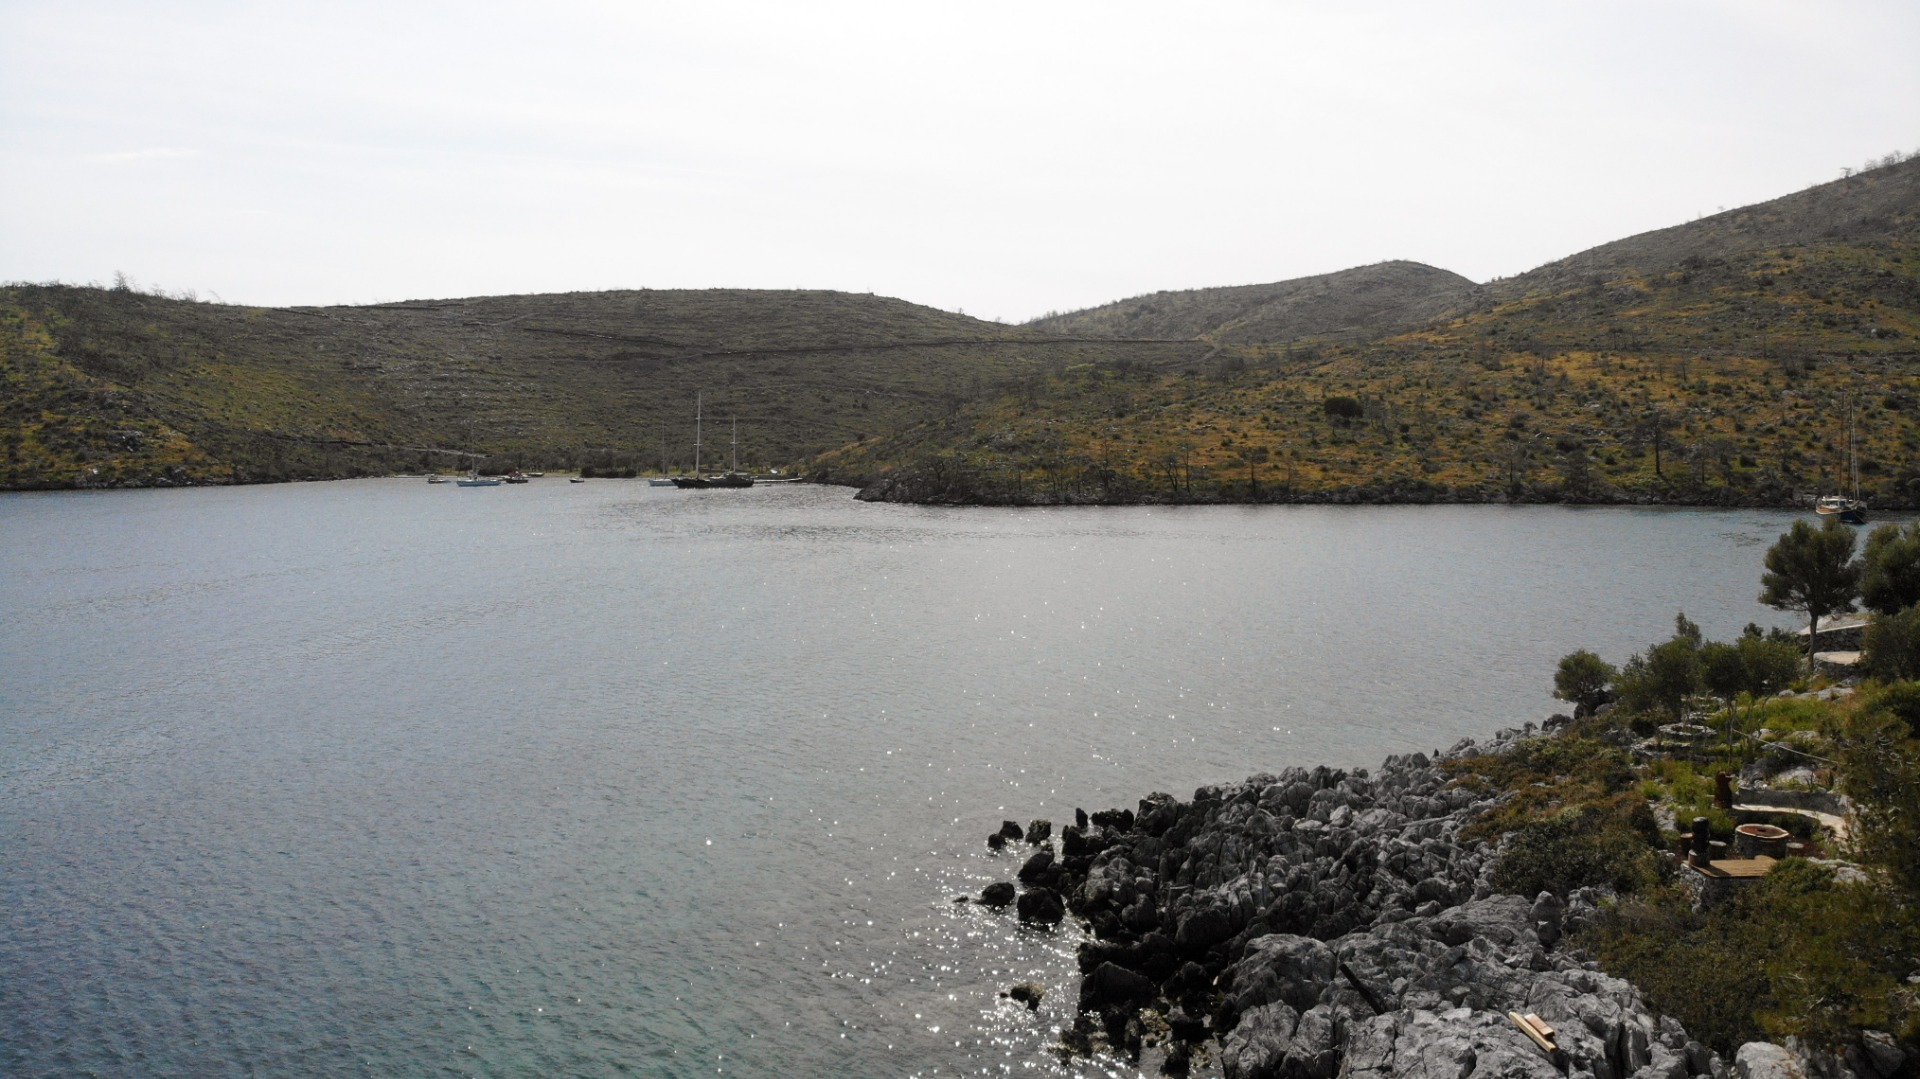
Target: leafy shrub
[
  {"x": 1880, "y": 759},
  {"x": 1890, "y": 568},
  {"x": 1343, "y": 408},
  {"x": 1663, "y": 678},
  {"x": 1607, "y": 844},
  {"x": 1891, "y": 645},
  {"x": 1771, "y": 663},
  {"x": 1687, "y": 965},
  {"x": 1583, "y": 678},
  {"x": 1795, "y": 956}
]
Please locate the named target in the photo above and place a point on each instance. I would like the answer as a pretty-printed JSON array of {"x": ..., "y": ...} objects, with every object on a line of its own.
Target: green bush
[
  {"x": 1890, "y": 568},
  {"x": 1796, "y": 955},
  {"x": 1891, "y": 645},
  {"x": 1608, "y": 844},
  {"x": 1663, "y": 678},
  {"x": 1582, "y": 679},
  {"x": 1770, "y": 663},
  {"x": 1880, "y": 760},
  {"x": 1687, "y": 965}
]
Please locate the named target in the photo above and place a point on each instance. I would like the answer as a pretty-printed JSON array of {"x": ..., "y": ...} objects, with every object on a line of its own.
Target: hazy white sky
[{"x": 1001, "y": 158}]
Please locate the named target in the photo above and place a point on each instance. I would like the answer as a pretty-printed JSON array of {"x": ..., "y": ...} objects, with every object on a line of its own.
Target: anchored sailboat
[
  {"x": 1848, "y": 508},
  {"x": 698, "y": 482}
]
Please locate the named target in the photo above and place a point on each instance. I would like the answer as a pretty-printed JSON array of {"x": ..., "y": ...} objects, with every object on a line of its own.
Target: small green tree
[
  {"x": 1890, "y": 568},
  {"x": 1723, "y": 669},
  {"x": 1812, "y": 570},
  {"x": 1880, "y": 759},
  {"x": 1891, "y": 646},
  {"x": 1582, "y": 679},
  {"x": 1770, "y": 664},
  {"x": 1662, "y": 678}
]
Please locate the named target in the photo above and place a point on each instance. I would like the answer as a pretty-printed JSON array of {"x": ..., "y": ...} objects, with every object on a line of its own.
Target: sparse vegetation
[{"x": 1807, "y": 952}]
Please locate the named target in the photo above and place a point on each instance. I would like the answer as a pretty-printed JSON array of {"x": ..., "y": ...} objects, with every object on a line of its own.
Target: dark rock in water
[
  {"x": 1039, "y": 831},
  {"x": 996, "y": 841},
  {"x": 1028, "y": 993},
  {"x": 1076, "y": 843},
  {"x": 996, "y": 895},
  {"x": 1010, "y": 831},
  {"x": 1111, "y": 983},
  {"x": 1178, "y": 1062},
  {"x": 1037, "y": 867},
  {"x": 1080, "y": 818},
  {"x": 1119, "y": 819},
  {"x": 1041, "y": 906}
]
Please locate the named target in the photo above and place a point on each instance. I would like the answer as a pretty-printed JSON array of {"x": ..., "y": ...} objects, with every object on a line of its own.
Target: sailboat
[
  {"x": 1848, "y": 508},
  {"x": 664, "y": 480},
  {"x": 475, "y": 479},
  {"x": 735, "y": 478}
]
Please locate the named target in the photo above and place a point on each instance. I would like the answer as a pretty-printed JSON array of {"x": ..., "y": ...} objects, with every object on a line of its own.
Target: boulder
[
  {"x": 1765, "y": 1060},
  {"x": 1111, "y": 983},
  {"x": 1039, "y": 831},
  {"x": 1037, "y": 868},
  {"x": 1028, "y": 993},
  {"x": 1201, "y": 929},
  {"x": 1446, "y": 1045},
  {"x": 1041, "y": 906},
  {"x": 1283, "y": 968},
  {"x": 1258, "y": 1046},
  {"x": 996, "y": 895}
]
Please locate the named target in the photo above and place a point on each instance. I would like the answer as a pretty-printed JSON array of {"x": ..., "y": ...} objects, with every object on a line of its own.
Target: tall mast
[
  {"x": 696, "y": 433},
  {"x": 1853, "y": 450},
  {"x": 736, "y": 443}
]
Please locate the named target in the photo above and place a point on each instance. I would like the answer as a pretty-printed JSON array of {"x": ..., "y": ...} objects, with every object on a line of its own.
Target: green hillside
[
  {"x": 1709, "y": 364},
  {"x": 115, "y": 387}
]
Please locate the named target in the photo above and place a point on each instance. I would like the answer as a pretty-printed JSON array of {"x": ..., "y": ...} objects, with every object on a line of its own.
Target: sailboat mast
[
  {"x": 736, "y": 443},
  {"x": 1853, "y": 450},
  {"x": 697, "y": 401}
]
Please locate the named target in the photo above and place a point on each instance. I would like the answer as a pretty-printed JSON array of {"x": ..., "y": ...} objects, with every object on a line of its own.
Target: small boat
[
  {"x": 1848, "y": 508},
  {"x": 1851, "y": 511},
  {"x": 516, "y": 476},
  {"x": 435, "y": 477},
  {"x": 660, "y": 481},
  {"x": 535, "y": 475},
  {"x": 726, "y": 479},
  {"x": 577, "y": 479},
  {"x": 475, "y": 479}
]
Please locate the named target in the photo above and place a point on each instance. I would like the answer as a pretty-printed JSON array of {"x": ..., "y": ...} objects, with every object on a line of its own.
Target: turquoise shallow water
[{"x": 384, "y": 778}]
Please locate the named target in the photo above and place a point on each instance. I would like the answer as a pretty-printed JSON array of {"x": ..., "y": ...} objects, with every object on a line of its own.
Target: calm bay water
[{"x": 385, "y": 778}]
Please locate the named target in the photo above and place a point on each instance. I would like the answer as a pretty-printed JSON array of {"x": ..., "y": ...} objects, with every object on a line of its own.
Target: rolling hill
[
  {"x": 1357, "y": 304},
  {"x": 1710, "y": 364},
  {"x": 116, "y": 387}
]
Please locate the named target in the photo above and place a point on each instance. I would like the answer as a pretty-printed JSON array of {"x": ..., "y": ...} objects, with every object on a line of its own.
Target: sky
[{"x": 1001, "y": 159}]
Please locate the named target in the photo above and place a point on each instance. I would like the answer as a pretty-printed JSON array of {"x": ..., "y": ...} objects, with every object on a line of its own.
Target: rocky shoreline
[{"x": 1320, "y": 922}]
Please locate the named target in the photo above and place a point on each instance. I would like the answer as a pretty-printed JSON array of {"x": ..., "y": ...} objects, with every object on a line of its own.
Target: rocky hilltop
[{"x": 1359, "y": 303}]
